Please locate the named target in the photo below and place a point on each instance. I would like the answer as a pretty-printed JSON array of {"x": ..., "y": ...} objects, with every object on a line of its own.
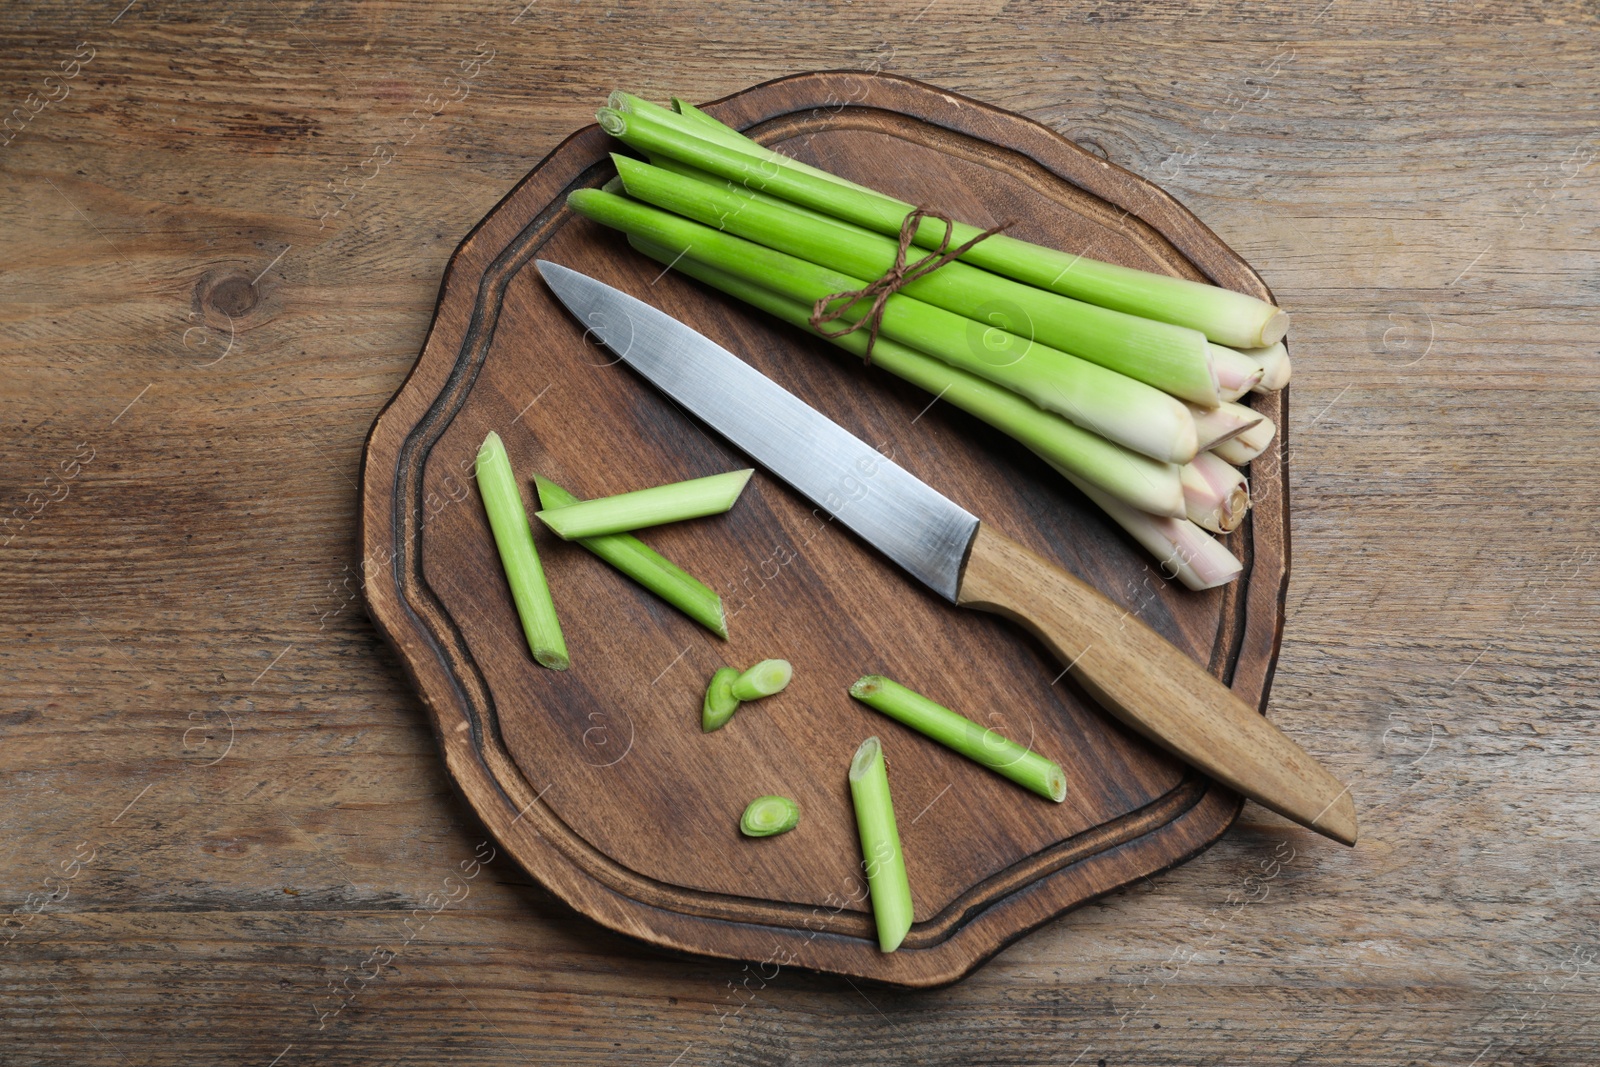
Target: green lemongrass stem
[
  {"x": 720, "y": 703},
  {"x": 766, "y": 816},
  {"x": 656, "y": 506},
  {"x": 1274, "y": 362},
  {"x": 1185, "y": 551},
  {"x": 887, "y": 884},
  {"x": 1144, "y": 483},
  {"x": 1174, "y": 359},
  {"x": 960, "y": 734},
  {"x": 1244, "y": 447},
  {"x": 1222, "y": 315},
  {"x": 1110, "y": 404},
  {"x": 765, "y": 679},
  {"x": 1237, "y": 373},
  {"x": 513, "y": 537},
  {"x": 646, "y": 566},
  {"x": 1215, "y": 493},
  {"x": 1226, "y": 420}
]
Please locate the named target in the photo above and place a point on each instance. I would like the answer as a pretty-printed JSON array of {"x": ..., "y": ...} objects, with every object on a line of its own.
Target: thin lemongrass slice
[
  {"x": 1174, "y": 359},
  {"x": 1100, "y": 400},
  {"x": 1222, "y": 315},
  {"x": 887, "y": 884},
  {"x": 1246, "y": 446},
  {"x": 513, "y": 537},
  {"x": 765, "y": 679},
  {"x": 1274, "y": 361},
  {"x": 646, "y": 566},
  {"x": 656, "y": 506},
  {"x": 957, "y": 732},
  {"x": 766, "y": 816},
  {"x": 1144, "y": 483},
  {"x": 1185, "y": 551},
  {"x": 720, "y": 703},
  {"x": 1228, "y": 419},
  {"x": 1237, "y": 373},
  {"x": 1215, "y": 493}
]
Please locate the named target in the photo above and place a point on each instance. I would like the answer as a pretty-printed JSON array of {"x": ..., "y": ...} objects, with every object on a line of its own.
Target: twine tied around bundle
[{"x": 897, "y": 276}]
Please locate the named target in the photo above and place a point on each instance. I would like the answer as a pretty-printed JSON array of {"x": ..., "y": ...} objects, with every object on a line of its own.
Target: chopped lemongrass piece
[
  {"x": 1246, "y": 446},
  {"x": 1228, "y": 419},
  {"x": 646, "y": 566},
  {"x": 766, "y": 816},
  {"x": 656, "y": 506},
  {"x": 1112, "y": 405},
  {"x": 1186, "y": 552},
  {"x": 955, "y": 731},
  {"x": 1237, "y": 373},
  {"x": 1172, "y": 358},
  {"x": 513, "y": 537},
  {"x": 765, "y": 679},
  {"x": 1274, "y": 361},
  {"x": 1144, "y": 483},
  {"x": 1224, "y": 316},
  {"x": 1215, "y": 493},
  {"x": 887, "y": 884},
  {"x": 720, "y": 703}
]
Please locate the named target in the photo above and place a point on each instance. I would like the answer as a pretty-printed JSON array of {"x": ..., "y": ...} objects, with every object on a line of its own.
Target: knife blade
[{"x": 1128, "y": 668}]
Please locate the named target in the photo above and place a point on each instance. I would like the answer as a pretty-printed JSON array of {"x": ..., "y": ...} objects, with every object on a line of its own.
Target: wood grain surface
[
  {"x": 228, "y": 830},
  {"x": 597, "y": 780}
]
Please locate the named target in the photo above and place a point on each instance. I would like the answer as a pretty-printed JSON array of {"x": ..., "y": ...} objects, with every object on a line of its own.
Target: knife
[{"x": 1129, "y": 669}]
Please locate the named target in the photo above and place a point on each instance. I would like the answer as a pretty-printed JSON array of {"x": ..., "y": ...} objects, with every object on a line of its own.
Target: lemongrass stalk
[
  {"x": 1110, "y": 404},
  {"x": 1228, "y": 419},
  {"x": 1237, "y": 373},
  {"x": 1184, "y": 550},
  {"x": 656, "y": 506},
  {"x": 1174, "y": 359},
  {"x": 720, "y": 703},
  {"x": 960, "y": 734},
  {"x": 1246, "y": 446},
  {"x": 716, "y": 130},
  {"x": 646, "y": 566},
  {"x": 1274, "y": 362},
  {"x": 766, "y": 816},
  {"x": 887, "y": 884},
  {"x": 1222, "y": 315},
  {"x": 765, "y": 679},
  {"x": 1215, "y": 493},
  {"x": 1144, "y": 483},
  {"x": 513, "y": 537}
]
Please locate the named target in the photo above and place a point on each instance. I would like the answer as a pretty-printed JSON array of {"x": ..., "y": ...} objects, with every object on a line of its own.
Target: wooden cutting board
[{"x": 598, "y": 780}]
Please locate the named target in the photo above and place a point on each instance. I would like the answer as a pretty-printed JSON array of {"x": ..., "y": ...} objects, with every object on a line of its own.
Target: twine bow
[{"x": 897, "y": 276}]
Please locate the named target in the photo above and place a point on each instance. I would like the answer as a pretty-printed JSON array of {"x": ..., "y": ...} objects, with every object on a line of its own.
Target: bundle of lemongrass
[{"x": 1125, "y": 381}]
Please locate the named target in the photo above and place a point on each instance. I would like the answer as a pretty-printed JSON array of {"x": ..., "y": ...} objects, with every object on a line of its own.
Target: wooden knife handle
[{"x": 1153, "y": 687}]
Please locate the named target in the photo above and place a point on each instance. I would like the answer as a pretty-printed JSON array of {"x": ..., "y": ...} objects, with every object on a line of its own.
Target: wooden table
[{"x": 227, "y": 829}]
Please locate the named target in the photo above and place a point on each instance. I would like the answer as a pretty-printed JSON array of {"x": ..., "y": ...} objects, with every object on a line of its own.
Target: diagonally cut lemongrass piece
[
  {"x": 959, "y": 733},
  {"x": 1237, "y": 373},
  {"x": 1110, "y": 404},
  {"x": 887, "y": 884},
  {"x": 1228, "y": 419},
  {"x": 513, "y": 537},
  {"x": 1174, "y": 359},
  {"x": 655, "y": 506},
  {"x": 766, "y": 816},
  {"x": 720, "y": 703},
  {"x": 1222, "y": 315},
  {"x": 765, "y": 679},
  {"x": 1274, "y": 362},
  {"x": 1147, "y": 484},
  {"x": 1186, "y": 552},
  {"x": 1244, "y": 447},
  {"x": 646, "y": 566},
  {"x": 1215, "y": 493}
]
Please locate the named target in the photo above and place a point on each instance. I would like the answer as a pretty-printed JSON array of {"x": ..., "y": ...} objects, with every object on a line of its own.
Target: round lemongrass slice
[{"x": 766, "y": 816}]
